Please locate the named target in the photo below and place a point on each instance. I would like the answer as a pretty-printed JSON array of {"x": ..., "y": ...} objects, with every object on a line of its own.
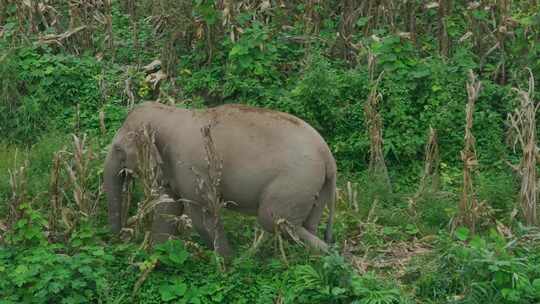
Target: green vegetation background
[{"x": 278, "y": 60}]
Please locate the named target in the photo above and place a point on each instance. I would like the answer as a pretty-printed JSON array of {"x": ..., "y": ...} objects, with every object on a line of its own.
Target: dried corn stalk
[
  {"x": 468, "y": 205},
  {"x": 18, "y": 179},
  {"x": 78, "y": 170},
  {"x": 312, "y": 17},
  {"x": 429, "y": 182},
  {"x": 151, "y": 178},
  {"x": 352, "y": 195},
  {"x": 175, "y": 19},
  {"x": 211, "y": 190},
  {"x": 56, "y": 192},
  {"x": 377, "y": 166},
  {"x": 209, "y": 185},
  {"x": 430, "y": 176},
  {"x": 344, "y": 46},
  {"x": 523, "y": 124}
]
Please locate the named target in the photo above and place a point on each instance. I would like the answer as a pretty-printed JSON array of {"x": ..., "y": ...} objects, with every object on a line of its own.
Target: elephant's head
[{"x": 121, "y": 159}]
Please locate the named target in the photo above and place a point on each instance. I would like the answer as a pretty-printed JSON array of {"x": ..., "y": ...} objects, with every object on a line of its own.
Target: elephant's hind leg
[
  {"x": 296, "y": 204},
  {"x": 314, "y": 218},
  {"x": 210, "y": 229}
]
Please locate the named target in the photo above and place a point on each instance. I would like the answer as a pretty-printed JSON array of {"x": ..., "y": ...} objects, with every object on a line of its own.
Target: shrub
[{"x": 476, "y": 269}]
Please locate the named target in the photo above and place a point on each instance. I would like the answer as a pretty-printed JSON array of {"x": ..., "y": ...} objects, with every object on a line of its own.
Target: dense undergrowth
[{"x": 392, "y": 246}]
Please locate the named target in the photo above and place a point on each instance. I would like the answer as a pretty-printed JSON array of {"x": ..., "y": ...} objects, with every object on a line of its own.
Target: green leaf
[
  {"x": 173, "y": 291},
  {"x": 362, "y": 21},
  {"x": 389, "y": 230},
  {"x": 536, "y": 285},
  {"x": 238, "y": 50},
  {"x": 462, "y": 233},
  {"x": 420, "y": 73},
  {"x": 172, "y": 253},
  {"x": 336, "y": 291},
  {"x": 167, "y": 293}
]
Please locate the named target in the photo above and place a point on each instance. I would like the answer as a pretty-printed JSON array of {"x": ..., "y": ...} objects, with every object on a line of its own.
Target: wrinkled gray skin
[{"x": 275, "y": 166}]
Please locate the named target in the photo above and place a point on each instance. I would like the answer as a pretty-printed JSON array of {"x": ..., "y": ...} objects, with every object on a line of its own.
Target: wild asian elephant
[{"x": 274, "y": 166}]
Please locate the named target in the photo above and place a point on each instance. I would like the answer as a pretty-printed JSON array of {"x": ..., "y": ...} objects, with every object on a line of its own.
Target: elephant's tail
[{"x": 328, "y": 195}]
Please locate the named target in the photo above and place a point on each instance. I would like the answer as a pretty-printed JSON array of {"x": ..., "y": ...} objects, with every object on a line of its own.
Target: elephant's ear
[{"x": 113, "y": 181}]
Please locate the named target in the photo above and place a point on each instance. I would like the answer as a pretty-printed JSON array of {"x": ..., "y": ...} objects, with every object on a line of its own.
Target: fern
[{"x": 371, "y": 290}]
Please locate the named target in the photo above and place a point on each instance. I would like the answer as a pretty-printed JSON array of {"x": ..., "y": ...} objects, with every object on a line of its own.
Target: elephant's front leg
[
  {"x": 164, "y": 223},
  {"x": 210, "y": 228}
]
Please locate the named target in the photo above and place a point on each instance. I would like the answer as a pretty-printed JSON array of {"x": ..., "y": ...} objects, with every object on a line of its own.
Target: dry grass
[
  {"x": 392, "y": 256},
  {"x": 83, "y": 19}
]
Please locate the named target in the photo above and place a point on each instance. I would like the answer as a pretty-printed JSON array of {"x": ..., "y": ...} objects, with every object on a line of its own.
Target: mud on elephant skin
[{"x": 274, "y": 166}]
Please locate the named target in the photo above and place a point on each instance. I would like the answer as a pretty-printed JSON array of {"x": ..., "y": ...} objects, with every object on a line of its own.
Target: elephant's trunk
[{"x": 113, "y": 182}]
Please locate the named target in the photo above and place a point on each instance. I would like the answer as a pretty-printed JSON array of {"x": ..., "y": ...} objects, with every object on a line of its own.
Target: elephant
[{"x": 274, "y": 166}]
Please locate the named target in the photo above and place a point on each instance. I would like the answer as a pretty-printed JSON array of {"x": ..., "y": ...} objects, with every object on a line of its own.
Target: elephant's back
[
  {"x": 254, "y": 139},
  {"x": 267, "y": 131}
]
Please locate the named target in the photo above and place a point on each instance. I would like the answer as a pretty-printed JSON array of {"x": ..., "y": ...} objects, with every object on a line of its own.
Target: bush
[
  {"x": 476, "y": 269},
  {"x": 47, "y": 92}
]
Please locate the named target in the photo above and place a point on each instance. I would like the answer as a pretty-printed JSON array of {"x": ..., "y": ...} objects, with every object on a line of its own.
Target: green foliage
[
  {"x": 371, "y": 290},
  {"x": 476, "y": 269},
  {"x": 28, "y": 230},
  {"x": 47, "y": 91},
  {"x": 335, "y": 282},
  {"x": 174, "y": 290},
  {"x": 172, "y": 253},
  {"x": 35, "y": 271}
]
